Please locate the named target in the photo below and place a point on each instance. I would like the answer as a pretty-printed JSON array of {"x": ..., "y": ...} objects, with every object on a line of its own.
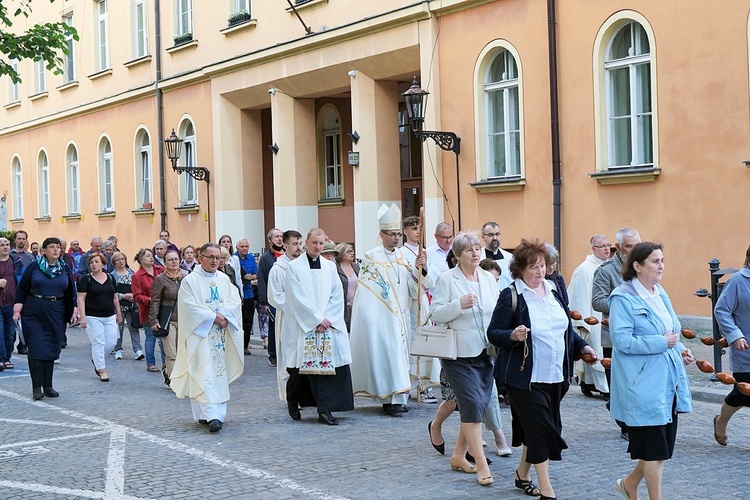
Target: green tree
[{"x": 42, "y": 42}]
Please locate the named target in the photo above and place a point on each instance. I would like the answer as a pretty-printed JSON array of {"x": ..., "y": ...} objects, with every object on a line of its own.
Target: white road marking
[
  {"x": 51, "y": 424},
  {"x": 50, "y": 440},
  {"x": 115, "y": 462},
  {"x": 43, "y": 488}
]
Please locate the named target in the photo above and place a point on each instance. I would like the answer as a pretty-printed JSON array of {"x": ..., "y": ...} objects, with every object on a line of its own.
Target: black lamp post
[
  {"x": 416, "y": 101},
  {"x": 174, "y": 151}
]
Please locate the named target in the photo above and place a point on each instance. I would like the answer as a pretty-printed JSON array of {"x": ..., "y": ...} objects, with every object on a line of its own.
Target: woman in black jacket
[{"x": 531, "y": 327}]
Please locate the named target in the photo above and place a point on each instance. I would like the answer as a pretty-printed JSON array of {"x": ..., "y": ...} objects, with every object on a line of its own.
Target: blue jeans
[
  {"x": 151, "y": 347},
  {"x": 7, "y": 333}
]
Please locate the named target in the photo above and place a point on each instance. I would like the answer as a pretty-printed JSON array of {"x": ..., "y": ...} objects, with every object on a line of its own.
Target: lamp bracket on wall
[
  {"x": 274, "y": 147},
  {"x": 308, "y": 30},
  {"x": 354, "y": 136}
]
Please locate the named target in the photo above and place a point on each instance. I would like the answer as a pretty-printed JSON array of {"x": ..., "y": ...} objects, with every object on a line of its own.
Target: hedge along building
[{"x": 643, "y": 104}]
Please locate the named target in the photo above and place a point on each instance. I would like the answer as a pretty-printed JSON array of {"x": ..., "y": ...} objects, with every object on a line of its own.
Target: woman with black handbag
[
  {"x": 123, "y": 277},
  {"x": 162, "y": 317}
]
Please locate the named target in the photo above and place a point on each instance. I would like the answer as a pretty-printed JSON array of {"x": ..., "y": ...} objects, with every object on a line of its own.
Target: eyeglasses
[
  {"x": 212, "y": 257},
  {"x": 444, "y": 238},
  {"x": 492, "y": 235},
  {"x": 392, "y": 235}
]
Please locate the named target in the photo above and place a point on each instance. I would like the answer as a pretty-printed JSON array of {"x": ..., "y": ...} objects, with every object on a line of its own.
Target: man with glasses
[
  {"x": 492, "y": 239},
  {"x": 381, "y": 332},
  {"x": 437, "y": 254},
  {"x": 591, "y": 377}
]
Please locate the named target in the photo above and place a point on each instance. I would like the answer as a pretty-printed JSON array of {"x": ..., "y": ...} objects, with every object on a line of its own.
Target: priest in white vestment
[
  {"x": 315, "y": 315},
  {"x": 277, "y": 298},
  {"x": 427, "y": 374},
  {"x": 209, "y": 350},
  {"x": 381, "y": 320},
  {"x": 591, "y": 377}
]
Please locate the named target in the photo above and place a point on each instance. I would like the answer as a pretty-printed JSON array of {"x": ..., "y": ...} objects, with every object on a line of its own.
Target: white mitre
[{"x": 389, "y": 217}]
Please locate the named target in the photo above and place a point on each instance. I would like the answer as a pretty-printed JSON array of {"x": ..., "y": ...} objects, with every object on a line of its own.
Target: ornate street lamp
[
  {"x": 174, "y": 151},
  {"x": 416, "y": 101}
]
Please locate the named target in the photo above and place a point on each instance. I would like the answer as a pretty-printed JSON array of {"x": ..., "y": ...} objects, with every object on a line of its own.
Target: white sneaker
[
  {"x": 139, "y": 355},
  {"x": 118, "y": 354},
  {"x": 428, "y": 397}
]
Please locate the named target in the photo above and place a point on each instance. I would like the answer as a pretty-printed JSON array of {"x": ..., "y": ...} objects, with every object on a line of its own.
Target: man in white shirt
[
  {"x": 437, "y": 253},
  {"x": 492, "y": 239}
]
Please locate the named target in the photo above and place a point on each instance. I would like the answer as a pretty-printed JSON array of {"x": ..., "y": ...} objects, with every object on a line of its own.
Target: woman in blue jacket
[
  {"x": 733, "y": 316},
  {"x": 531, "y": 326},
  {"x": 649, "y": 383}
]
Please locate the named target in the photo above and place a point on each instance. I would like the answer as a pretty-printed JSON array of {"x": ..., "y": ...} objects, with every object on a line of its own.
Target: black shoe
[
  {"x": 440, "y": 448},
  {"x": 624, "y": 435},
  {"x": 64, "y": 345},
  {"x": 203, "y": 421},
  {"x": 37, "y": 393},
  {"x": 293, "y": 410},
  {"x": 394, "y": 410},
  {"x": 166, "y": 377},
  {"x": 327, "y": 418},
  {"x": 586, "y": 390},
  {"x": 49, "y": 391},
  {"x": 605, "y": 396},
  {"x": 214, "y": 425},
  {"x": 22, "y": 349},
  {"x": 272, "y": 361},
  {"x": 471, "y": 459}
]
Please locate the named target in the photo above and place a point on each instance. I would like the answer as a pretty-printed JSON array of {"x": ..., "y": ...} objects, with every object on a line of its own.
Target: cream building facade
[{"x": 651, "y": 108}]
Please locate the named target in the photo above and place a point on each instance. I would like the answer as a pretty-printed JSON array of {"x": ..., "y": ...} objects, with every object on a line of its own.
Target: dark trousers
[
  {"x": 271, "y": 332},
  {"x": 41, "y": 372},
  {"x": 248, "y": 313},
  {"x": 608, "y": 374},
  {"x": 7, "y": 333}
]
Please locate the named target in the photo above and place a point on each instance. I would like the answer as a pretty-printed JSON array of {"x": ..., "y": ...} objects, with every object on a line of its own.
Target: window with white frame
[
  {"x": 188, "y": 185},
  {"x": 14, "y": 90},
  {"x": 329, "y": 155},
  {"x": 240, "y": 6},
  {"x": 143, "y": 172},
  {"x": 629, "y": 102},
  {"x": 69, "y": 71},
  {"x": 74, "y": 181},
  {"x": 140, "y": 28},
  {"x": 184, "y": 17},
  {"x": 501, "y": 88},
  {"x": 17, "y": 189},
  {"x": 43, "y": 185},
  {"x": 102, "y": 35},
  {"x": 40, "y": 72},
  {"x": 106, "y": 177}
]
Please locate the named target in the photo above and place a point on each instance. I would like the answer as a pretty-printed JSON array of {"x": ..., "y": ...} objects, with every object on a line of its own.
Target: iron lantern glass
[
  {"x": 416, "y": 101},
  {"x": 174, "y": 147}
]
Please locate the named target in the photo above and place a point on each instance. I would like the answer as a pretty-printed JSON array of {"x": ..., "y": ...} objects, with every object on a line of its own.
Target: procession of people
[{"x": 339, "y": 327}]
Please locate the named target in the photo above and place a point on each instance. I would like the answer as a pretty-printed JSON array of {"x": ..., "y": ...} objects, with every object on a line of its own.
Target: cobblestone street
[{"x": 131, "y": 438}]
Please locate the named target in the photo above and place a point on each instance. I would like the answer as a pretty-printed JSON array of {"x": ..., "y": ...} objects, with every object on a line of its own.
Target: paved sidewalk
[{"x": 131, "y": 438}]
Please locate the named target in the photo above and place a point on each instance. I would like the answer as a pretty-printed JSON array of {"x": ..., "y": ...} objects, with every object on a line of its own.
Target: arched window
[
  {"x": 106, "y": 177},
  {"x": 329, "y": 154},
  {"x": 503, "y": 123},
  {"x": 143, "y": 188},
  {"x": 74, "y": 180},
  {"x": 17, "y": 189},
  {"x": 189, "y": 158},
  {"x": 43, "y": 166},
  {"x": 627, "y": 67}
]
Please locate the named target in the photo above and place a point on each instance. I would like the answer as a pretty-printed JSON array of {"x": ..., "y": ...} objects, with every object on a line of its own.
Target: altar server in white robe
[
  {"x": 209, "y": 351},
  {"x": 591, "y": 377},
  {"x": 277, "y": 298},
  {"x": 315, "y": 314},
  {"x": 381, "y": 321}
]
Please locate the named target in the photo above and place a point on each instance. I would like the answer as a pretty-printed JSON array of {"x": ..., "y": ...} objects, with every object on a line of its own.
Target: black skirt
[
  {"x": 328, "y": 393},
  {"x": 471, "y": 381},
  {"x": 735, "y": 398},
  {"x": 536, "y": 421},
  {"x": 43, "y": 324},
  {"x": 653, "y": 442}
]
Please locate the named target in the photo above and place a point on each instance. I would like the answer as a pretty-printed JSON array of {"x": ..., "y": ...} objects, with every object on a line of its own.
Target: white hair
[{"x": 626, "y": 232}]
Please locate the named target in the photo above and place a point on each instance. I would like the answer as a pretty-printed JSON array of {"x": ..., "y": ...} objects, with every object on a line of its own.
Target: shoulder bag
[{"x": 434, "y": 341}]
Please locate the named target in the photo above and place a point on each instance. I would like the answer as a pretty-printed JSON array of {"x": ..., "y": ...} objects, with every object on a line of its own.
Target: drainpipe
[
  {"x": 554, "y": 121},
  {"x": 160, "y": 117}
]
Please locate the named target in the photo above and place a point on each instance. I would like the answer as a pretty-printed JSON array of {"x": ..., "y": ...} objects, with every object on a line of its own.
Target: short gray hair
[
  {"x": 270, "y": 233},
  {"x": 107, "y": 244},
  {"x": 442, "y": 225},
  {"x": 552, "y": 251},
  {"x": 464, "y": 240},
  {"x": 596, "y": 237},
  {"x": 158, "y": 242},
  {"x": 626, "y": 232}
]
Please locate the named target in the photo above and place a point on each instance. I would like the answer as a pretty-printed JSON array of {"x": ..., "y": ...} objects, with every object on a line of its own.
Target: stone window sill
[
  {"x": 499, "y": 185},
  {"x": 308, "y": 5},
  {"x": 138, "y": 61},
  {"x": 106, "y": 215},
  {"x": 143, "y": 212},
  {"x": 331, "y": 202},
  {"x": 632, "y": 175},
  {"x": 100, "y": 74},
  {"x": 188, "y": 209},
  {"x": 40, "y": 95},
  {"x": 68, "y": 85},
  {"x": 46, "y": 218},
  {"x": 16, "y": 221},
  {"x": 73, "y": 217},
  {"x": 183, "y": 46},
  {"x": 245, "y": 25},
  {"x": 12, "y": 105}
]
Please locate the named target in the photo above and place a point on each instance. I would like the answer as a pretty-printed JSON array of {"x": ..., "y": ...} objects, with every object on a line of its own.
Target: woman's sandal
[
  {"x": 8, "y": 365},
  {"x": 527, "y": 486}
]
